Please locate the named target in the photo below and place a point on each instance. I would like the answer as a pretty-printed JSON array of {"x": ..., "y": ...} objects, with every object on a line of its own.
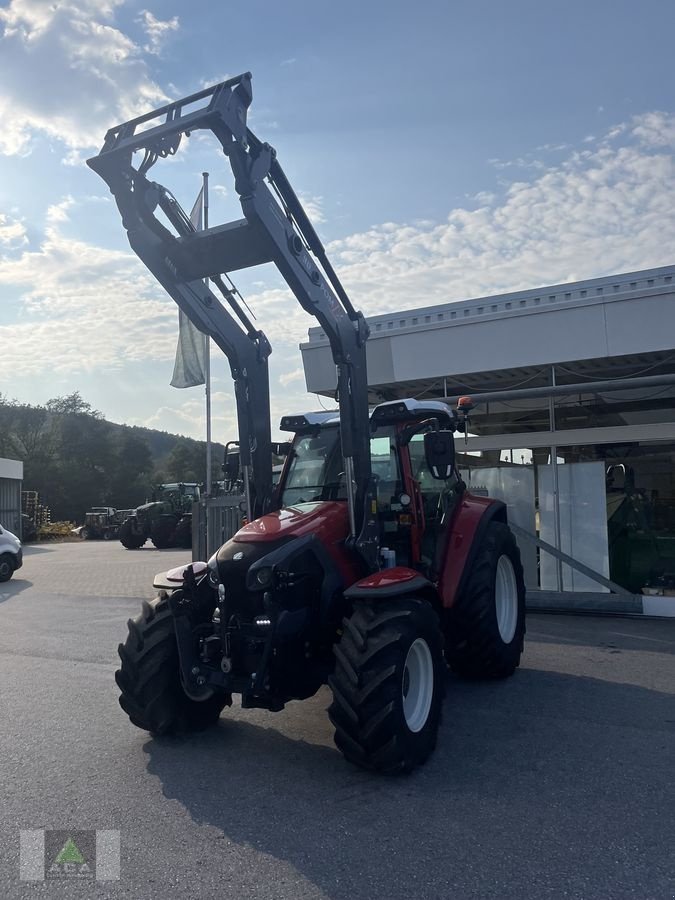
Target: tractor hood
[
  {"x": 145, "y": 507},
  {"x": 327, "y": 520}
]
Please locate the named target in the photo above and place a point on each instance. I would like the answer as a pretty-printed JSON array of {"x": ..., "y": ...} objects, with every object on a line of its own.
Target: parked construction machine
[
  {"x": 102, "y": 522},
  {"x": 166, "y": 519},
  {"x": 369, "y": 566}
]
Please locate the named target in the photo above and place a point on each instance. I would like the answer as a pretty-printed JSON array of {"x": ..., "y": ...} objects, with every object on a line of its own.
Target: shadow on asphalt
[
  {"x": 614, "y": 633},
  {"x": 32, "y": 549},
  {"x": 522, "y": 768},
  {"x": 14, "y": 586}
]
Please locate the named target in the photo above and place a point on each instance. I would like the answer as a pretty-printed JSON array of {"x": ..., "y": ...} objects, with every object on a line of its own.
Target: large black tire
[
  {"x": 182, "y": 536},
  {"x": 6, "y": 566},
  {"x": 378, "y": 723},
  {"x": 149, "y": 678},
  {"x": 162, "y": 532},
  {"x": 486, "y": 627},
  {"x": 129, "y": 538},
  {"x": 85, "y": 533}
]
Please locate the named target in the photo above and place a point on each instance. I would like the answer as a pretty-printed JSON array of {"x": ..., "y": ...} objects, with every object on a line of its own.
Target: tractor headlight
[{"x": 264, "y": 577}]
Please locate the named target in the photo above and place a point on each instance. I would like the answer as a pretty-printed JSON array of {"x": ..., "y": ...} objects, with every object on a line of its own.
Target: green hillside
[{"x": 76, "y": 459}]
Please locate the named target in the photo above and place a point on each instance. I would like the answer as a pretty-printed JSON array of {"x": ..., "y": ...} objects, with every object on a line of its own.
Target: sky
[{"x": 444, "y": 150}]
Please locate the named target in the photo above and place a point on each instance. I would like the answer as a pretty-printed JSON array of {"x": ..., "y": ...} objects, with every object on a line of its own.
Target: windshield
[{"x": 316, "y": 470}]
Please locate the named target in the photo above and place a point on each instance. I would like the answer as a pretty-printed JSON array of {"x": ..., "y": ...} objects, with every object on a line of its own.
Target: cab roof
[{"x": 384, "y": 413}]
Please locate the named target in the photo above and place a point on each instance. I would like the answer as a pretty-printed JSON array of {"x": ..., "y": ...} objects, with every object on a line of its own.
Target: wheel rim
[
  {"x": 506, "y": 599},
  {"x": 418, "y": 685}
]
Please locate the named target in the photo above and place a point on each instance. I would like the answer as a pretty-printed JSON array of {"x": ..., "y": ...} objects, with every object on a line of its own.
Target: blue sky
[{"x": 445, "y": 150}]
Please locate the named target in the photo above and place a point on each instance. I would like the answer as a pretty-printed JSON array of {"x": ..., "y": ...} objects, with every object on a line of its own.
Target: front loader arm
[{"x": 275, "y": 229}]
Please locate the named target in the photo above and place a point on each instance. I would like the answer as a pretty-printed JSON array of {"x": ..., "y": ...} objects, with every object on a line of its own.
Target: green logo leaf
[{"x": 70, "y": 853}]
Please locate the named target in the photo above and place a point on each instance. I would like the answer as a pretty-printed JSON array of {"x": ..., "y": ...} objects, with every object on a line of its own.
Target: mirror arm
[{"x": 409, "y": 433}]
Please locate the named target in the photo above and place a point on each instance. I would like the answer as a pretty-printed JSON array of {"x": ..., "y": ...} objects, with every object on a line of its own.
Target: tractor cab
[{"x": 414, "y": 497}]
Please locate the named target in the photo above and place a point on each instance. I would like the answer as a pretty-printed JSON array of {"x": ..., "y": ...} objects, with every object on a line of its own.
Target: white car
[{"x": 11, "y": 554}]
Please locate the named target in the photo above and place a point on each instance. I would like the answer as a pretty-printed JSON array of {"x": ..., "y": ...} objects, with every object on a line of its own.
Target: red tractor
[{"x": 369, "y": 566}]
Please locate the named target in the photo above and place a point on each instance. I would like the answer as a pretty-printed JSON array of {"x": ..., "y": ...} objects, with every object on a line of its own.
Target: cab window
[
  {"x": 315, "y": 471},
  {"x": 386, "y": 469}
]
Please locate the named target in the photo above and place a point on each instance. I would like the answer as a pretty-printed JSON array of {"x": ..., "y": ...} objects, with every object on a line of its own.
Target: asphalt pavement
[{"x": 556, "y": 783}]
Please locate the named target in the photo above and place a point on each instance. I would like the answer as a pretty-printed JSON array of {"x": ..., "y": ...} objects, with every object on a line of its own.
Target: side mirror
[
  {"x": 439, "y": 450},
  {"x": 281, "y": 449},
  {"x": 231, "y": 465}
]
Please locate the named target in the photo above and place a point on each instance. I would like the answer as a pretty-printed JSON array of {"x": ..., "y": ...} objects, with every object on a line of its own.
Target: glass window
[
  {"x": 385, "y": 467},
  {"x": 316, "y": 471}
]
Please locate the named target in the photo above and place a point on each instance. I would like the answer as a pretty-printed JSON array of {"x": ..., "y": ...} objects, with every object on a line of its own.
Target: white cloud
[
  {"x": 655, "y": 129},
  {"x": 606, "y": 208},
  {"x": 85, "y": 308},
  {"x": 188, "y": 416},
  {"x": 313, "y": 207},
  {"x": 220, "y": 190},
  {"x": 157, "y": 30},
  {"x": 289, "y": 377},
  {"x": 58, "y": 212},
  {"x": 12, "y": 233},
  {"x": 66, "y": 72}
]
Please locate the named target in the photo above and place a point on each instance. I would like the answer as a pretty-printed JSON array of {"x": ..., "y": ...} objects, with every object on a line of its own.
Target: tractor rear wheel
[
  {"x": 152, "y": 694},
  {"x": 388, "y": 685},
  {"x": 129, "y": 538},
  {"x": 486, "y": 627},
  {"x": 162, "y": 532}
]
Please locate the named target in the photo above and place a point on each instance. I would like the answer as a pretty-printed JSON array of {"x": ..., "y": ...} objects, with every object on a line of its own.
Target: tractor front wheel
[
  {"x": 388, "y": 685},
  {"x": 149, "y": 679},
  {"x": 129, "y": 539},
  {"x": 486, "y": 627}
]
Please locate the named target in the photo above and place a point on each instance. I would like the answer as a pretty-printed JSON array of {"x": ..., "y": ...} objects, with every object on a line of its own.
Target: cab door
[{"x": 436, "y": 501}]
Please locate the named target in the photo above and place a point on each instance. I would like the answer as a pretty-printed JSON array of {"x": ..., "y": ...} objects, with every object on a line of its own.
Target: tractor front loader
[{"x": 369, "y": 566}]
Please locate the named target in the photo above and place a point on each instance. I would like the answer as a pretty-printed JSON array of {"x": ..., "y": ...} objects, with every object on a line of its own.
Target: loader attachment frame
[{"x": 276, "y": 229}]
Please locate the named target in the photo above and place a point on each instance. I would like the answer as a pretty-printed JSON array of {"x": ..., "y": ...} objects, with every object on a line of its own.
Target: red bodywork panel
[
  {"x": 386, "y": 577},
  {"x": 463, "y": 527},
  {"x": 327, "y": 520},
  {"x": 461, "y": 536}
]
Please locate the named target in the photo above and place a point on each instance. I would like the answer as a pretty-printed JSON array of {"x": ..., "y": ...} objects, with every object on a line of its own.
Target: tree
[
  {"x": 71, "y": 405},
  {"x": 132, "y": 480}
]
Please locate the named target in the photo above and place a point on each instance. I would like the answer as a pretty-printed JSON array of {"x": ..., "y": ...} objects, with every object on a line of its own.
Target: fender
[
  {"x": 398, "y": 581},
  {"x": 173, "y": 579},
  {"x": 466, "y": 534}
]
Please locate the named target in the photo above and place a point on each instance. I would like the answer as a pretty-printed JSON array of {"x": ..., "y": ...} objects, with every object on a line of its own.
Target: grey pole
[
  {"x": 556, "y": 488},
  {"x": 207, "y": 359}
]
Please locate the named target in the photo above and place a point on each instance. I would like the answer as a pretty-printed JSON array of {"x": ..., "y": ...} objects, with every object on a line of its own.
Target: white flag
[{"x": 190, "y": 365}]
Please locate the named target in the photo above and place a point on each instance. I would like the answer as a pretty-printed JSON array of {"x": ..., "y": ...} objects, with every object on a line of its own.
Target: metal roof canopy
[
  {"x": 596, "y": 329},
  {"x": 610, "y": 341}
]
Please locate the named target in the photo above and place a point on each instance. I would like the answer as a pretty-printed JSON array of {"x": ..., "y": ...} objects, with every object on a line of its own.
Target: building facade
[
  {"x": 574, "y": 423},
  {"x": 11, "y": 475}
]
